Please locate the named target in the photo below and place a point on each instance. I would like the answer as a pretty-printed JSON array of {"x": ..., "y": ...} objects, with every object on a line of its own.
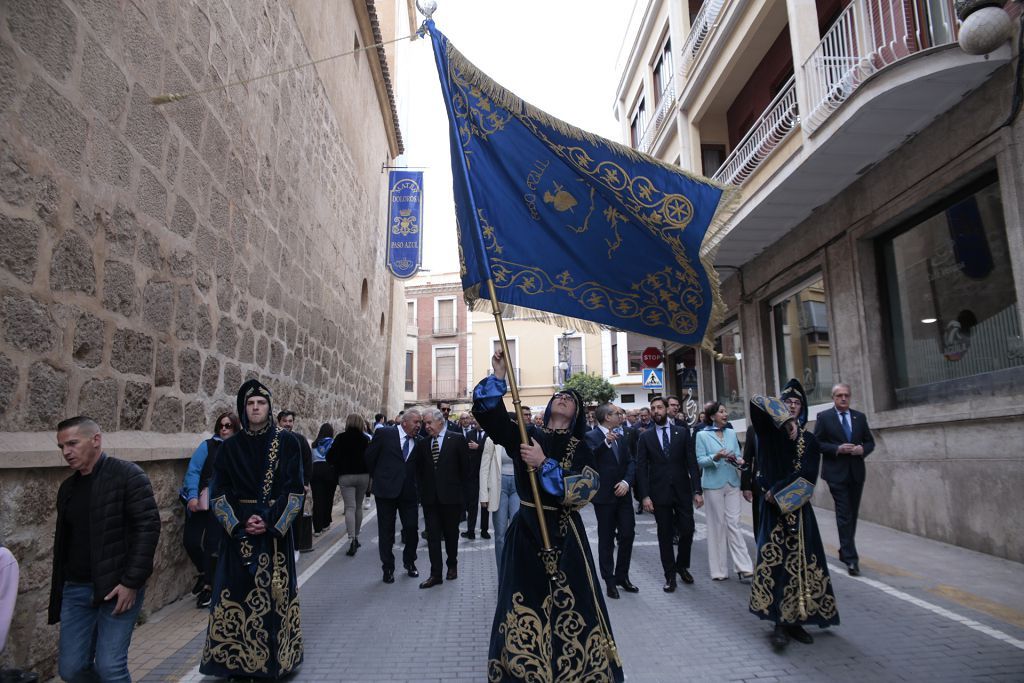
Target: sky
[{"x": 558, "y": 55}]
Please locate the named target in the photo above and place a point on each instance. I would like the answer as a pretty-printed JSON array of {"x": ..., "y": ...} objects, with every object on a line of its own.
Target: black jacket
[
  {"x": 829, "y": 432},
  {"x": 393, "y": 477},
  {"x": 656, "y": 474},
  {"x": 610, "y": 470},
  {"x": 442, "y": 484},
  {"x": 125, "y": 526},
  {"x": 347, "y": 454}
]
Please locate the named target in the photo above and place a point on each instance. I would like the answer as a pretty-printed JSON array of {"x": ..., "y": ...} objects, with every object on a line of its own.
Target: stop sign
[{"x": 652, "y": 357}]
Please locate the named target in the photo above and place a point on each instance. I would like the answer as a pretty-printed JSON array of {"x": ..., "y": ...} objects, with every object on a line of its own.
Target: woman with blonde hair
[{"x": 346, "y": 457}]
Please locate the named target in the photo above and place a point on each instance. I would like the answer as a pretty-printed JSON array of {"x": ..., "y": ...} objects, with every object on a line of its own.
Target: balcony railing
[
  {"x": 775, "y": 125},
  {"x": 700, "y": 29},
  {"x": 559, "y": 375},
  {"x": 868, "y": 36},
  {"x": 444, "y": 326},
  {"x": 444, "y": 388},
  {"x": 661, "y": 115}
]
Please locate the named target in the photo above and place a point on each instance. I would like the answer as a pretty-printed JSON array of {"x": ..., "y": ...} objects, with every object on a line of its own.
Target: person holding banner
[{"x": 550, "y": 622}]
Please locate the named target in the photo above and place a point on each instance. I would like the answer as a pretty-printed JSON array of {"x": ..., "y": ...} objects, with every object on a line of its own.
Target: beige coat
[{"x": 490, "y": 474}]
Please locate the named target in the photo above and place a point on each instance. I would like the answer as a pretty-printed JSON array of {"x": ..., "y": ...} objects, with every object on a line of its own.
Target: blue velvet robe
[
  {"x": 254, "y": 628},
  {"x": 547, "y": 627},
  {"x": 791, "y": 583}
]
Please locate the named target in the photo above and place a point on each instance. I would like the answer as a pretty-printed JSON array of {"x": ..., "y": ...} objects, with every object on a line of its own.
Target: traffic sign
[
  {"x": 652, "y": 357},
  {"x": 654, "y": 378}
]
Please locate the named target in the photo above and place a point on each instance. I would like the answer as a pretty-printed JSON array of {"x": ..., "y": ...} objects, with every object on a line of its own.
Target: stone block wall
[{"x": 154, "y": 257}]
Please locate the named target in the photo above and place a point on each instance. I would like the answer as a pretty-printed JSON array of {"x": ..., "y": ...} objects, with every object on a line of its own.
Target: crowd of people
[{"x": 252, "y": 486}]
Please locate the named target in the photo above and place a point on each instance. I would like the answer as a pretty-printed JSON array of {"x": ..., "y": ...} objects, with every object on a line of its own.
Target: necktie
[
  {"x": 664, "y": 440},
  {"x": 615, "y": 451},
  {"x": 435, "y": 450},
  {"x": 406, "y": 447},
  {"x": 845, "y": 418}
]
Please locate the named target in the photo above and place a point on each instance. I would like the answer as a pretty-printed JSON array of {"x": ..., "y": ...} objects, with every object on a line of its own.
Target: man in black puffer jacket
[{"x": 107, "y": 530}]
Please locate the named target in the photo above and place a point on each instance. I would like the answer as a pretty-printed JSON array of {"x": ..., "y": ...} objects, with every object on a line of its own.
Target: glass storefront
[
  {"x": 729, "y": 374},
  {"x": 800, "y": 334}
]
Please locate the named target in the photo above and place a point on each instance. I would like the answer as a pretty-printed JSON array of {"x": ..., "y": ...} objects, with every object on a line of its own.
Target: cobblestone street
[{"x": 921, "y": 611}]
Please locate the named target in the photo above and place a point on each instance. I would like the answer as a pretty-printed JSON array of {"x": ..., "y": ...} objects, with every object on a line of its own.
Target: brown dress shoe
[
  {"x": 431, "y": 582},
  {"x": 452, "y": 575}
]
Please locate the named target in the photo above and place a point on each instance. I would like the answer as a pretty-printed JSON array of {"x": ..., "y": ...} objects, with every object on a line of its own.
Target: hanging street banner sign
[
  {"x": 654, "y": 378},
  {"x": 405, "y": 212}
]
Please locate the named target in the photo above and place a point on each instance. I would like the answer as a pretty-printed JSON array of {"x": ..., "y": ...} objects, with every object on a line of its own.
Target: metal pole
[{"x": 517, "y": 404}]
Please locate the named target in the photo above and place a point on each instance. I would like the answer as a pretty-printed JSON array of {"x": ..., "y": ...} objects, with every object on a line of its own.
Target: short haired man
[
  {"x": 673, "y": 411},
  {"x": 845, "y": 440},
  {"x": 669, "y": 482},
  {"x": 613, "y": 505},
  {"x": 390, "y": 458},
  {"x": 108, "y": 526},
  {"x": 475, "y": 439},
  {"x": 442, "y": 463}
]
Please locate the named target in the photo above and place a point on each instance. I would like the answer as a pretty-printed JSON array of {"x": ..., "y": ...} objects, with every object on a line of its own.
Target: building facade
[
  {"x": 438, "y": 340},
  {"x": 879, "y": 241},
  {"x": 154, "y": 257}
]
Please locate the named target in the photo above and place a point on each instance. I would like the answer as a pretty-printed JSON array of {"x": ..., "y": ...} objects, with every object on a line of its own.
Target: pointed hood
[
  {"x": 794, "y": 389},
  {"x": 253, "y": 388},
  {"x": 579, "y": 422}
]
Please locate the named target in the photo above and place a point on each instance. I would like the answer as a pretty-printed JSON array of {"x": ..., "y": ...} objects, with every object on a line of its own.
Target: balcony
[
  {"x": 868, "y": 36},
  {"x": 773, "y": 127},
  {"x": 702, "y": 26},
  {"x": 445, "y": 326},
  {"x": 442, "y": 389},
  {"x": 559, "y": 375},
  {"x": 661, "y": 116}
]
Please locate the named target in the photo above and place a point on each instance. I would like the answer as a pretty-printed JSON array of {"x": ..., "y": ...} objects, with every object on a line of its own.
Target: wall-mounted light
[{"x": 929, "y": 321}]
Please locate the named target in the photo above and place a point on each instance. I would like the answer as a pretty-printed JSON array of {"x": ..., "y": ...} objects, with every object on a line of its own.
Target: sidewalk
[{"x": 921, "y": 610}]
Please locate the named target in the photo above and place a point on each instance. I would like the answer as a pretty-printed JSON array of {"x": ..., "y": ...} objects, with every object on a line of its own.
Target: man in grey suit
[{"x": 845, "y": 440}]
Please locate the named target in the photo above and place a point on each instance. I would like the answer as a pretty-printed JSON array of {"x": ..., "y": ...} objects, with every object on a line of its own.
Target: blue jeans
[
  {"x": 93, "y": 641},
  {"x": 508, "y": 506}
]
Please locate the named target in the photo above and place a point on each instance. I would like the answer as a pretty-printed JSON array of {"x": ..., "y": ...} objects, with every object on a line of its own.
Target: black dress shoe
[
  {"x": 853, "y": 568},
  {"x": 627, "y": 586},
  {"x": 389, "y": 576},
  {"x": 485, "y": 534},
  {"x": 352, "y": 547},
  {"x": 613, "y": 592},
  {"x": 411, "y": 570},
  {"x": 356, "y": 543},
  {"x": 452, "y": 574},
  {"x": 431, "y": 582},
  {"x": 797, "y": 633},
  {"x": 779, "y": 638},
  {"x": 686, "y": 576},
  {"x": 670, "y": 584},
  {"x": 468, "y": 534}
]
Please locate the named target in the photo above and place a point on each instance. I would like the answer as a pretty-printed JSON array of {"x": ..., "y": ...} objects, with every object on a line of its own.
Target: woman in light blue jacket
[{"x": 720, "y": 459}]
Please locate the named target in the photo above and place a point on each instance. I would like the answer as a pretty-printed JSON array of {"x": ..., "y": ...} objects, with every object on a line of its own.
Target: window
[
  {"x": 410, "y": 362},
  {"x": 444, "y": 316},
  {"x": 800, "y": 334},
  {"x": 728, "y": 372},
  {"x": 569, "y": 353},
  {"x": 627, "y": 398},
  {"x": 638, "y": 124},
  {"x": 410, "y": 313},
  {"x": 513, "y": 354},
  {"x": 615, "y": 357},
  {"x": 445, "y": 373},
  {"x": 663, "y": 72},
  {"x": 951, "y": 300},
  {"x": 711, "y": 159}
]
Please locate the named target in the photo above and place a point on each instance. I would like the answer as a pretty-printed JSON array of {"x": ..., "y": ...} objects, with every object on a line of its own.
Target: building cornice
[{"x": 369, "y": 27}]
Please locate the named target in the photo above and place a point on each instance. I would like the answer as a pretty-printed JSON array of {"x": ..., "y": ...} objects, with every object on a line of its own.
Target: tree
[{"x": 593, "y": 388}]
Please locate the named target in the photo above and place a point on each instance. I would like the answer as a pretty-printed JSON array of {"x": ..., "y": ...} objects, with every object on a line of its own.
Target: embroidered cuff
[
  {"x": 225, "y": 514},
  {"x": 291, "y": 510},
  {"x": 581, "y": 488}
]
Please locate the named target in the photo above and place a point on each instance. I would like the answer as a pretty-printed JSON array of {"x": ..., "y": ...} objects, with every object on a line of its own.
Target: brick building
[{"x": 438, "y": 347}]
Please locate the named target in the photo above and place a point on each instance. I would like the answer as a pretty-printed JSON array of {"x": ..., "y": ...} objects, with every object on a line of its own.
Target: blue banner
[
  {"x": 564, "y": 221},
  {"x": 405, "y": 229}
]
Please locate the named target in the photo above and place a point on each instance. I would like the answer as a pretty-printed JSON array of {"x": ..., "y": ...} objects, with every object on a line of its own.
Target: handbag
[
  {"x": 204, "y": 500},
  {"x": 792, "y": 497}
]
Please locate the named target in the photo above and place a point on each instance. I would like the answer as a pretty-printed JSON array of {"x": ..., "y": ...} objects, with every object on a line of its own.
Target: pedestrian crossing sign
[{"x": 654, "y": 378}]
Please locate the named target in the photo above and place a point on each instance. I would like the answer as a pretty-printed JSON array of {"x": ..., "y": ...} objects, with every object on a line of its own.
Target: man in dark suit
[
  {"x": 845, "y": 440},
  {"x": 613, "y": 506},
  {"x": 391, "y": 459},
  {"x": 668, "y": 479},
  {"x": 471, "y": 486},
  {"x": 442, "y": 460}
]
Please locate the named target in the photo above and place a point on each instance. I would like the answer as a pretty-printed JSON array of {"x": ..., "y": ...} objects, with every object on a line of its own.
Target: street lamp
[{"x": 565, "y": 357}]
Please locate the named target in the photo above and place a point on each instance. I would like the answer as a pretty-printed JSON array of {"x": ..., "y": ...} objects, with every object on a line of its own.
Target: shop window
[
  {"x": 951, "y": 300},
  {"x": 728, "y": 372},
  {"x": 800, "y": 333}
]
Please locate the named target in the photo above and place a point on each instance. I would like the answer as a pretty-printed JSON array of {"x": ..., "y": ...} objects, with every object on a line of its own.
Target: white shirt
[{"x": 607, "y": 441}]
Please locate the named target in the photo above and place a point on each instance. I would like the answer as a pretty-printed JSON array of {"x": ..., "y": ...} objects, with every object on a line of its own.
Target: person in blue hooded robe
[
  {"x": 550, "y": 623},
  {"x": 256, "y": 493},
  {"x": 791, "y": 585}
]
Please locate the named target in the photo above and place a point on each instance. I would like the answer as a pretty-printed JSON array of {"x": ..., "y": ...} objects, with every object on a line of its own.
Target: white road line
[
  {"x": 194, "y": 676},
  {"x": 918, "y": 602}
]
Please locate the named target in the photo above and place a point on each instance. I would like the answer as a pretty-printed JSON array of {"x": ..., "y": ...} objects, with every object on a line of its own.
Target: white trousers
[{"x": 722, "y": 507}]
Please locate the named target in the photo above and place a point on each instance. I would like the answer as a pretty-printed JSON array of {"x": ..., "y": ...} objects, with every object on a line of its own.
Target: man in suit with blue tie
[
  {"x": 845, "y": 440},
  {"x": 668, "y": 479},
  {"x": 390, "y": 458},
  {"x": 613, "y": 506}
]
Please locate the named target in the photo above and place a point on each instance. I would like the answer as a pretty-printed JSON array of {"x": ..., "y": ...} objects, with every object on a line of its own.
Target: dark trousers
[
  {"x": 672, "y": 517},
  {"x": 324, "y": 482},
  {"x": 472, "y": 495},
  {"x": 442, "y": 523},
  {"x": 387, "y": 508},
  {"x": 612, "y": 517},
  {"x": 202, "y": 535},
  {"x": 846, "y": 496}
]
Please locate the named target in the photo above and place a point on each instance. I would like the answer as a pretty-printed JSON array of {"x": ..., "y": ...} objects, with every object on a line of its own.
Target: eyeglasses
[
  {"x": 562, "y": 394},
  {"x": 446, "y": 410},
  {"x": 225, "y": 425},
  {"x": 792, "y": 402}
]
